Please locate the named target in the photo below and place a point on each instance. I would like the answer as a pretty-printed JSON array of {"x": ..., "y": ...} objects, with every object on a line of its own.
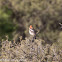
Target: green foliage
[{"x": 6, "y": 24}]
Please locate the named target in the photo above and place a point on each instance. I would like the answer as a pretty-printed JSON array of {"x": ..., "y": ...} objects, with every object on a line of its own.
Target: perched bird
[{"x": 32, "y": 32}]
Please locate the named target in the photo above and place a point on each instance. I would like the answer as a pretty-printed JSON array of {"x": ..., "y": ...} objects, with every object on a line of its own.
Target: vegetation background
[
  {"x": 44, "y": 15},
  {"x": 17, "y": 15}
]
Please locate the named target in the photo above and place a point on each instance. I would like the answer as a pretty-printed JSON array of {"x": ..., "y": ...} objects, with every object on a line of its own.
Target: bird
[{"x": 32, "y": 32}]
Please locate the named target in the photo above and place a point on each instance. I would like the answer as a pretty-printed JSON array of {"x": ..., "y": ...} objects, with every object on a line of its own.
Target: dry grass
[{"x": 28, "y": 51}]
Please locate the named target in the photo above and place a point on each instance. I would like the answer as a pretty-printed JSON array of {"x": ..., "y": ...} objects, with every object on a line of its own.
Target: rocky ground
[{"x": 28, "y": 51}]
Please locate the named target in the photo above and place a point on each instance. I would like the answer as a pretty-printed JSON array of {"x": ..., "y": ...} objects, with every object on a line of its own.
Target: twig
[{"x": 61, "y": 25}]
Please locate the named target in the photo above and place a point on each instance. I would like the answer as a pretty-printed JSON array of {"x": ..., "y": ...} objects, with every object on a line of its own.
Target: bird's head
[{"x": 31, "y": 27}]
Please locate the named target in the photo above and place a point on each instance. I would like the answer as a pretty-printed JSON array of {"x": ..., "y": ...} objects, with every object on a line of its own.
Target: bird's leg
[{"x": 33, "y": 38}]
